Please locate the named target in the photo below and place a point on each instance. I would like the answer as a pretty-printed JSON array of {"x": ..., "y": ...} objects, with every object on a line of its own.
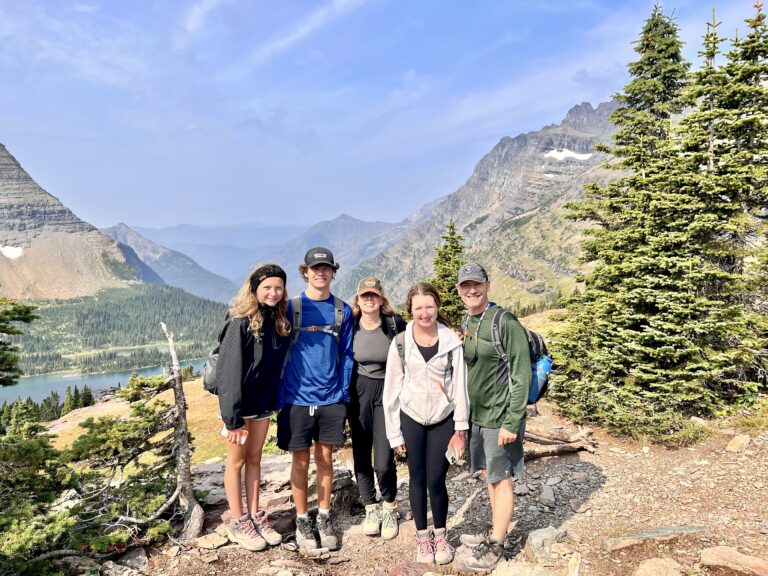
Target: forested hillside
[{"x": 118, "y": 329}]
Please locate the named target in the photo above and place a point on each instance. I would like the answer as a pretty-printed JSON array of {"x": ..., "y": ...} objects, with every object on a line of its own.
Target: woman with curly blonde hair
[{"x": 251, "y": 355}]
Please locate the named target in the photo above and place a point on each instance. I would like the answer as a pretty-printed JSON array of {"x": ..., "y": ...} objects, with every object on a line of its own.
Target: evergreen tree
[
  {"x": 76, "y": 401},
  {"x": 627, "y": 354},
  {"x": 50, "y": 407},
  {"x": 23, "y": 418},
  {"x": 10, "y": 314},
  {"x": 446, "y": 263},
  {"x": 86, "y": 397},
  {"x": 5, "y": 415},
  {"x": 68, "y": 405}
]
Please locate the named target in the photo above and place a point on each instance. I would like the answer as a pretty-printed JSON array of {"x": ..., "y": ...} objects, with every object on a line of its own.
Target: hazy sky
[{"x": 219, "y": 111}]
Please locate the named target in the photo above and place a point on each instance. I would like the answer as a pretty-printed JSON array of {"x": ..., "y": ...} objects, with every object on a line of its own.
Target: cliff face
[
  {"x": 174, "y": 268},
  {"x": 46, "y": 252},
  {"x": 27, "y": 211},
  {"x": 509, "y": 211}
]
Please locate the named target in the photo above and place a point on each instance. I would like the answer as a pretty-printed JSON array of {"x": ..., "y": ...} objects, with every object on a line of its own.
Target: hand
[
  {"x": 457, "y": 443},
  {"x": 238, "y": 436},
  {"x": 400, "y": 449},
  {"x": 506, "y": 437}
]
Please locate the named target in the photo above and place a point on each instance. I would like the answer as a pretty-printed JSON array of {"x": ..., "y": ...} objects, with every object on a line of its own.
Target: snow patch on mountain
[
  {"x": 11, "y": 252},
  {"x": 565, "y": 153}
]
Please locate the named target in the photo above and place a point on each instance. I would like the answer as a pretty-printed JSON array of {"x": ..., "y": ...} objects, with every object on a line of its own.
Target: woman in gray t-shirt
[{"x": 376, "y": 323}]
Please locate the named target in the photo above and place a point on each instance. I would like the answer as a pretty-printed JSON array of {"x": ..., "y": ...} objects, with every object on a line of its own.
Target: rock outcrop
[
  {"x": 46, "y": 251},
  {"x": 509, "y": 210}
]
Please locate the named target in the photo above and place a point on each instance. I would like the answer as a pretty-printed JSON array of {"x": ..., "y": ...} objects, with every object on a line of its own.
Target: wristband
[{"x": 461, "y": 434}]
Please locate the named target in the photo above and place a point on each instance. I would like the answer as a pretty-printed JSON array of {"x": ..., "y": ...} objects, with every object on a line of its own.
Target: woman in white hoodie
[{"x": 426, "y": 409}]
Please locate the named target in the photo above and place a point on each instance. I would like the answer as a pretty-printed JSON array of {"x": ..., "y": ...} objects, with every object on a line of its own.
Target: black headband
[{"x": 266, "y": 271}]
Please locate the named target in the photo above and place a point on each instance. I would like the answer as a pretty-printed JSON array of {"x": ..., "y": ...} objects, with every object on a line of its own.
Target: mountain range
[
  {"x": 175, "y": 268},
  {"x": 510, "y": 213}
]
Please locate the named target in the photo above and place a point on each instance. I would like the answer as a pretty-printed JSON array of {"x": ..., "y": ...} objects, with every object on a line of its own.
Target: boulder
[
  {"x": 732, "y": 559},
  {"x": 547, "y": 496},
  {"x": 136, "y": 559},
  {"x": 110, "y": 568},
  {"x": 738, "y": 443},
  {"x": 538, "y": 544},
  {"x": 211, "y": 541},
  {"x": 659, "y": 567},
  {"x": 76, "y": 565}
]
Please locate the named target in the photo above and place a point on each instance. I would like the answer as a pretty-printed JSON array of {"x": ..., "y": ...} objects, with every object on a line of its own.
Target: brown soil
[{"x": 625, "y": 487}]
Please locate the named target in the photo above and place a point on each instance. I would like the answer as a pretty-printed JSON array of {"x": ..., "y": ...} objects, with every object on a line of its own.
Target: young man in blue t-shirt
[{"x": 314, "y": 393}]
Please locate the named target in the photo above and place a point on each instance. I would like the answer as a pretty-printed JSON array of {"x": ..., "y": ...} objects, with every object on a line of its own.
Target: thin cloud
[
  {"x": 194, "y": 21},
  {"x": 107, "y": 55},
  {"x": 315, "y": 21}
]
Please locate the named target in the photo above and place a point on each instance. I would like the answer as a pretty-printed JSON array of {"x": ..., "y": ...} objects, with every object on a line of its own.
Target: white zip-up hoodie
[{"x": 425, "y": 391}]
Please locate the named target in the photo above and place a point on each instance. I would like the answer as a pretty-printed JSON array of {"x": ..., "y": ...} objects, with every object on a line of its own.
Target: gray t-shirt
[{"x": 371, "y": 348}]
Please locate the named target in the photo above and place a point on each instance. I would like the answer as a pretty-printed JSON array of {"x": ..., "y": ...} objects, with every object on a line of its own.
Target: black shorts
[{"x": 298, "y": 425}]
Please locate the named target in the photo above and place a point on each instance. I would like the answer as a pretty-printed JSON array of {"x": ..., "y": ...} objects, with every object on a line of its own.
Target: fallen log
[{"x": 533, "y": 453}]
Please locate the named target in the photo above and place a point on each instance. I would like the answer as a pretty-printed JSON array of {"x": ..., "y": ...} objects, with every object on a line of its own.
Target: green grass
[{"x": 754, "y": 419}]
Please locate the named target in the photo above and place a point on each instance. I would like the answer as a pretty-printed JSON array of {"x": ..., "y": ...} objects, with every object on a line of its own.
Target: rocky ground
[{"x": 626, "y": 509}]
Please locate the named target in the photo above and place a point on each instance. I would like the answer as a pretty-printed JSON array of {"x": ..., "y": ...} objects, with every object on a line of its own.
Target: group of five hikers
[{"x": 420, "y": 388}]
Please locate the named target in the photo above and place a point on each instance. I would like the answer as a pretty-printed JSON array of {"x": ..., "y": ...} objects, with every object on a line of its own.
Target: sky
[{"x": 216, "y": 112}]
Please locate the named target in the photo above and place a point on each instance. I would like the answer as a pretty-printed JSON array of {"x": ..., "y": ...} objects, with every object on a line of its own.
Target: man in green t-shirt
[{"x": 498, "y": 395}]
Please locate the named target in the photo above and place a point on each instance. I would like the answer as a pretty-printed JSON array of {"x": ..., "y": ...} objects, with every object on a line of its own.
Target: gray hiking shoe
[
  {"x": 443, "y": 550},
  {"x": 269, "y": 534},
  {"x": 425, "y": 548},
  {"x": 328, "y": 538},
  {"x": 243, "y": 532},
  {"x": 305, "y": 535},
  {"x": 485, "y": 556},
  {"x": 389, "y": 529},
  {"x": 372, "y": 522},
  {"x": 472, "y": 540}
]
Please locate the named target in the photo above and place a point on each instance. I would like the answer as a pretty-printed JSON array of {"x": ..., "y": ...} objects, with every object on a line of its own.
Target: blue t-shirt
[{"x": 319, "y": 370}]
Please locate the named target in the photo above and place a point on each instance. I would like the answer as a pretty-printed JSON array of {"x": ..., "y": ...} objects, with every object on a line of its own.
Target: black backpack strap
[
  {"x": 338, "y": 311},
  {"x": 295, "y": 330},
  {"x": 496, "y": 333},
  {"x": 391, "y": 324},
  {"x": 295, "y": 320},
  {"x": 332, "y": 329}
]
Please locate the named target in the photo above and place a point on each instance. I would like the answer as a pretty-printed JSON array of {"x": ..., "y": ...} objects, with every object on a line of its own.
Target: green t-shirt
[{"x": 493, "y": 402}]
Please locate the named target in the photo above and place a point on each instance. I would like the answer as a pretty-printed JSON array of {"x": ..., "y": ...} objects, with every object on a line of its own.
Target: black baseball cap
[
  {"x": 472, "y": 271},
  {"x": 319, "y": 255}
]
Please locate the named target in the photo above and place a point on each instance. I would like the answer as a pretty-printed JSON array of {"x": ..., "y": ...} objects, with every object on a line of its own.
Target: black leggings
[
  {"x": 366, "y": 420},
  {"x": 428, "y": 467}
]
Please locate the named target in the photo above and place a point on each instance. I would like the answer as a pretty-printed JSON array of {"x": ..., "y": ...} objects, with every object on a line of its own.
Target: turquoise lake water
[{"x": 38, "y": 387}]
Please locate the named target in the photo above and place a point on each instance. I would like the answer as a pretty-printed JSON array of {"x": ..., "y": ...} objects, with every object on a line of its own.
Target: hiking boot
[
  {"x": 305, "y": 535},
  {"x": 425, "y": 549},
  {"x": 372, "y": 522},
  {"x": 243, "y": 532},
  {"x": 485, "y": 556},
  {"x": 269, "y": 534},
  {"x": 472, "y": 540},
  {"x": 328, "y": 538},
  {"x": 389, "y": 528},
  {"x": 443, "y": 550}
]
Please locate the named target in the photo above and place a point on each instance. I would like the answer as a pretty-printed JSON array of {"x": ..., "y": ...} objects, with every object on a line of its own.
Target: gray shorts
[{"x": 499, "y": 462}]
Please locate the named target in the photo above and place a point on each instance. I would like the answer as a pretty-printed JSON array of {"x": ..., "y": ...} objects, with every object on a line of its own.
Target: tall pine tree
[
  {"x": 626, "y": 346},
  {"x": 68, "y": 405},
  {"x": 446, "y": 264}
]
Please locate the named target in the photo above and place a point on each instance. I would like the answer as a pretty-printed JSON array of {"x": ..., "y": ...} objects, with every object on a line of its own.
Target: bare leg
[
  {"x": 257, "y": 433},
  {"x": 502, "y": 506},
  {"x": 233, "y": 487},
  {"x": 300, "y": 479},
  {"x": 324, "y": 463}
]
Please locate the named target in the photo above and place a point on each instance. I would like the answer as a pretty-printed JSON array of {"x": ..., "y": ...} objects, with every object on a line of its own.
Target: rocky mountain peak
[
  {"x": 27, "y": 211},
  {"x": 584, "y": 117}
]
